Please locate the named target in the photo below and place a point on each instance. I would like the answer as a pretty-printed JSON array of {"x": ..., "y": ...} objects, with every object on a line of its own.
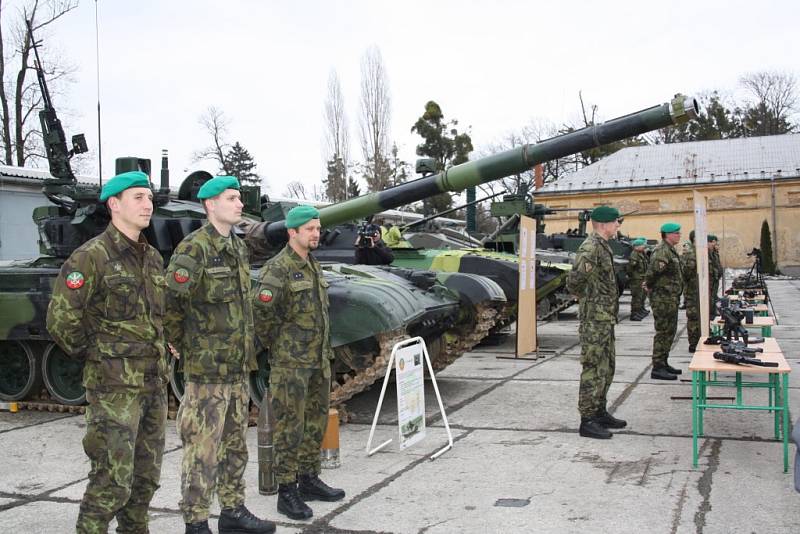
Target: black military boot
[
  {"x": 693, "y": 348},
  {"x": 290, "y": 504},
  {"x": 240, "y": 520},
  {"x": 590, "y": 428},
  {"x": 636, "y": 316},
  {"x": 673, "y": 370},
  {"x": 662, "y": 373},
  {"x": 607, "y": 420},
  {"x": 311, "y": 488},
  {"x": 201, "y": 527}
]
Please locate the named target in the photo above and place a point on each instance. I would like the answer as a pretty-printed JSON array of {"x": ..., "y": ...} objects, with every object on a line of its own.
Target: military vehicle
[{"x": 76, "y": 216}]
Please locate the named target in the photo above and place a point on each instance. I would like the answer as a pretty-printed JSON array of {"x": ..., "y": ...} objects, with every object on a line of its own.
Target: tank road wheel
[
  {"x": 176, "y": 378},
  {"x": 19, "y": 371},
  {"x": 259, "y": 380},
  {"x": 63, "y": 376}
]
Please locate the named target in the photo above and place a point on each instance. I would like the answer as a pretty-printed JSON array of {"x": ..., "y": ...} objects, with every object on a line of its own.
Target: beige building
[{"x": 747, "y": 181}]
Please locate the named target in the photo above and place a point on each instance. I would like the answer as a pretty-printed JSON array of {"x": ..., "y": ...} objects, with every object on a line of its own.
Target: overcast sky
[{"x": 493, "y": 65}]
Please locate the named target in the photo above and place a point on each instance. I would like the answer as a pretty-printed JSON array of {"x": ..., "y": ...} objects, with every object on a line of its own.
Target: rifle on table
[{"x": 741, "y": 359}]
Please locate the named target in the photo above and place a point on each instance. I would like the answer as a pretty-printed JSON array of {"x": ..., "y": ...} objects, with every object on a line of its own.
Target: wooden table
[
  {"x": 703, "y": 365},
  {"x": 765, "y": 324}
]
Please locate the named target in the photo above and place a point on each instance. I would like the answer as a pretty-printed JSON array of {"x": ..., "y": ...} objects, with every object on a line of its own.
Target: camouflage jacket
[
  {"x": 209, "y": 315},
  {"x": 714, "y": 266},
  {"x": 689, "y": 271},
  {"x": 594, "y": 282},
  {"x": 108, "y": 307},
  {"x": 664, "y": 274},
  {"x": 291, "y": 311},
  {"x": 637, "y": 266}
]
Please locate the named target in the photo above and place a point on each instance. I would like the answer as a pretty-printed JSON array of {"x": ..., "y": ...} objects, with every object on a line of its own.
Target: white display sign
[{"x": 408, "y": 365}]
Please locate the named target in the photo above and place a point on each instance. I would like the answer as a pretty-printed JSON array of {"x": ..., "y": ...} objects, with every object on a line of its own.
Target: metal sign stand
[{"x": 403, "y": 344}]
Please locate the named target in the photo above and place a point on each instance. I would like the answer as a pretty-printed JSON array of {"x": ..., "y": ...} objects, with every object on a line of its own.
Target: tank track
[
  {"x": 563, "y": 301},
  {"x": 464, "y": 338},
  {"x": 355, "y": 382},
  {"x": 48, "y": 405}
]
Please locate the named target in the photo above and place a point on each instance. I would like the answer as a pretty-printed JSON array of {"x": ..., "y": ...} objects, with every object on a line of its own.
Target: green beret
[
  {"x": 217, "y": 185},
  {"x": 299, "y": 215},
  {"x": 639, "y": 241},
  {"x": 124, "y": 181},
  {"x": 670, "y": 227},
  {"x": 712, "y": 237},
  {"x": 605, "y": 214}
]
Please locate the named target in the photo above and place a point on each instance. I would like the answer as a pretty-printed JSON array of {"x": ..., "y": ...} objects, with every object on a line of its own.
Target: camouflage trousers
[
  {"x": 598, "y": 364},
  {"x": 665, "y": 316},
  {"x": 124, "y": 442},
  {"x": 638, "y": 296},
  {"x": 300, "y": 401},
  {"x": 693, "y": 318},
  {"x": 212, "y": 424},
  {"x": 713, "y": 297}
]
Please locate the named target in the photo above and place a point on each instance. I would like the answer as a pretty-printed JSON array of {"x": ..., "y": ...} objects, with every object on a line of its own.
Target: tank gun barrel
[{"x": 472, "y": 173}]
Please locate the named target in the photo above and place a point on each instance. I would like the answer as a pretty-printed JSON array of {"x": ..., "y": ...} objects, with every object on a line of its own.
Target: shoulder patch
[
  {"x": 265, "y": 296},
  {"x": 75, "y": 280},
  {"x": 181, "y": 275},
  {"x": 588, "y": 267}
]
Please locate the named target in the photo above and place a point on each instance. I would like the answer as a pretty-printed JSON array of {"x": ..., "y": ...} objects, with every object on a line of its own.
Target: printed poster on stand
[{"x": 409, "y": 367}]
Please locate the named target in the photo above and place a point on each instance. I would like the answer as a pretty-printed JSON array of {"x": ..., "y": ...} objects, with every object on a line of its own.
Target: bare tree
[
  {"x": 535, "y": 131},
  {"x": 337, "y": 141},
  {"x": 20, "y": 132},
  {"x": 776, "y": 99},
  {"x": 216, "y": 124},
  {"x": 375, "y": 120},
  {"x": 299, "y": 190}
]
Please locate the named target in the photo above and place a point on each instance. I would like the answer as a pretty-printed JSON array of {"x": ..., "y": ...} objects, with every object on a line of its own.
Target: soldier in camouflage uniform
[
  {"x": 107, "y": 309},
  {"x": 664, "y": 283},
  {"x": 209, "y": 320},
  {"x": 691, "y": 292},
  {"x": 594, "y": 283},
  {"x": 715, "y": 272},
  {"x": 291, "y": 317},
  {"x": 636, "y": 270}
]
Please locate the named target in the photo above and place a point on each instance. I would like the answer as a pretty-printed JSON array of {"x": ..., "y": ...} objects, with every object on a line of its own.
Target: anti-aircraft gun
[{"x": 502, "y": 268}]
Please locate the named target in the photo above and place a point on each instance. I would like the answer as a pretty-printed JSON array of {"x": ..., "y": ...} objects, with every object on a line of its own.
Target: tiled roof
[{"x": 682, "y": 164}]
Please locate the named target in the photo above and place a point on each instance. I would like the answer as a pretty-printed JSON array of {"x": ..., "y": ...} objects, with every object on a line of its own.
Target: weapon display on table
[
  {"x": 732, "y": 314},
  {"x": 740, "y": 359}
]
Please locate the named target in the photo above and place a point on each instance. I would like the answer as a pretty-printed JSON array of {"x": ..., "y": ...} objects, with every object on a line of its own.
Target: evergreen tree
[
  {"x": 336, "y": 182},
  {"x": 443, "y": 143},
  {"x": 239, "y": 163},
  {"x": 353, "y": 189},
  {"x": 767, "y": 260}
]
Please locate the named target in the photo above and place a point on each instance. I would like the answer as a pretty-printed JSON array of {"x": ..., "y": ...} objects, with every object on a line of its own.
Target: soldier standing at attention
[
  {"x": 714, "y": 273},
  {"x": 291, "y": 311},
  {"x": 594, "y": 283},
  {"x": 664, "y": 283},
  {"x": 691, "y": 292},
  {"x": 210, "y": 321},
  {"x": 107, "y": 309},
  {"x": 637, "y": 268}
]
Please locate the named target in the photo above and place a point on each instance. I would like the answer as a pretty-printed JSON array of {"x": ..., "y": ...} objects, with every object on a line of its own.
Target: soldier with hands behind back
[
  {"x": 210, "y": 321},
  {"x": 107, "y": 308},
  {"x": 594, "y": 283},
  {"x": 664, "y": 283},
  {"x": 291, "y": 317}
]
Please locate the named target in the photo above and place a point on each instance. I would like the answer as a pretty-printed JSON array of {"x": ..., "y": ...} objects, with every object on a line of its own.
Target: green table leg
[
  {"x": 785, "y": 398},
  {"x": 695, "y": 393},
  {"x": 774, "y": 401}
]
